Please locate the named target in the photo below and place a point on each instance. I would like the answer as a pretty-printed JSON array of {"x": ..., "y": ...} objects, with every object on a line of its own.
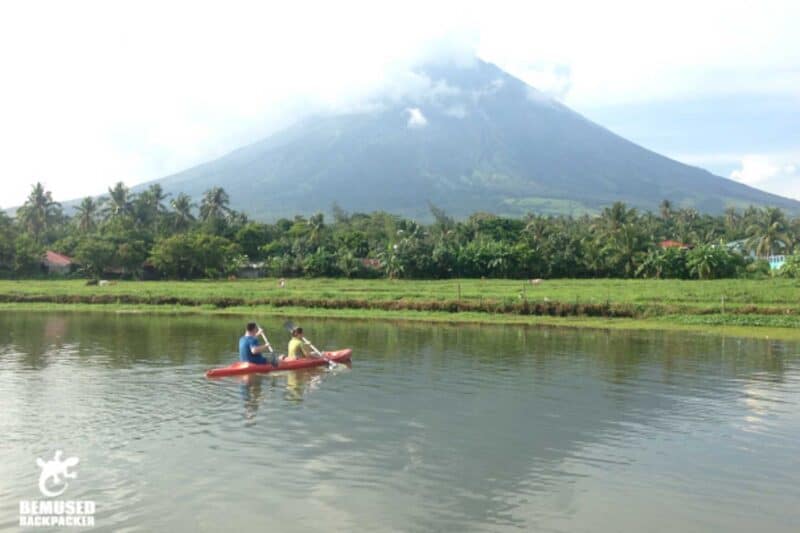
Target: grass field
[
  {"x": 744, "y": 307},
  {"x": 736, "y": 293}
]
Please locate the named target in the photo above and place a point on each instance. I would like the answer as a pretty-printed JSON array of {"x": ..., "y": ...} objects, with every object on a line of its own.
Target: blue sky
[
  {"x": 751, "y": 137},
  {"x": 97, "y": 92}
]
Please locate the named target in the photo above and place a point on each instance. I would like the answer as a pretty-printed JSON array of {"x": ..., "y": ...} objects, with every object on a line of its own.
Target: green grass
[
  {"x": 744, "y": 307},
  {"x": 699, "y": 294}
]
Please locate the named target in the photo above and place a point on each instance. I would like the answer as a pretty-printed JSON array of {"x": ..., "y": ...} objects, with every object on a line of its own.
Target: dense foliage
[{"x": 149, "y": 234}]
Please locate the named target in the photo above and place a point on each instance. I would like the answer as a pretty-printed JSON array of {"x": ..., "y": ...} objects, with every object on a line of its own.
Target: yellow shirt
[{"x": 296, "y": 350}]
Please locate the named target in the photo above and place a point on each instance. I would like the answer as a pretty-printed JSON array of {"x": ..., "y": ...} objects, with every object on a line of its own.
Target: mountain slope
[{"x": 474, "y": 139}]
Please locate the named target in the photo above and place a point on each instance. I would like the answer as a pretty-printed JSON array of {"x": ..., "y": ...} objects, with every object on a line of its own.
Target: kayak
[{"x": 240, "y": 368}]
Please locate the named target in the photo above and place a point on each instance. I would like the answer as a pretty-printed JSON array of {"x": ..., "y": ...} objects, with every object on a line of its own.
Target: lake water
[{"x": 433, "y": 428}]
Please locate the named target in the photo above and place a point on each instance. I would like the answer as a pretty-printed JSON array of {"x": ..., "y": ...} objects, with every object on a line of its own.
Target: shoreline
[{"x": 675, "y": 323}]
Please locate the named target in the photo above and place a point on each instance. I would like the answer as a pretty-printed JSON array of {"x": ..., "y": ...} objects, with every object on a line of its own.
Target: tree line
[{"x": 151, "y": 233}]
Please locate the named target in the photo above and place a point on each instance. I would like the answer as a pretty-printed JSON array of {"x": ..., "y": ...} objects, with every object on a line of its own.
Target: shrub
[{"x": 791, "y": 268}]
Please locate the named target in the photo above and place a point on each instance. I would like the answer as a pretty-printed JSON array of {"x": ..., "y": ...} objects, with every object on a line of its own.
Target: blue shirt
[{"x": 246, "y": 343}]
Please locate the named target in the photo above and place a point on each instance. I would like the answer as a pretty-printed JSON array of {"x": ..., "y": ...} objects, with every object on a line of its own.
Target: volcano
[{"x": 474, "y": 139}]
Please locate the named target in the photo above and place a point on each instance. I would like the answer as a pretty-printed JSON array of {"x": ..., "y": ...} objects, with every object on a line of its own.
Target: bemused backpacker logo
[
  {"x": 55, "y": 474},
  {"x": 54, "y": 481}
]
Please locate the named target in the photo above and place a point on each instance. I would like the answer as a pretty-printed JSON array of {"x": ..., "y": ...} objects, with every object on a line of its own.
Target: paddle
[
  {"x": 264, "y": 336},
  {"x": 289, "y": 326}
]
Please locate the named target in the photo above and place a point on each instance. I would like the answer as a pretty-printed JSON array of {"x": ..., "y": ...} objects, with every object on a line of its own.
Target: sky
[{"x": 98, "y": 92}]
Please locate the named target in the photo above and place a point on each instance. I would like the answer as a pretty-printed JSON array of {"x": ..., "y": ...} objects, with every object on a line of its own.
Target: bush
[
  {"x": 664, "y": 263},
  {"x": 759, "y": 269},
  {"x": 791, "y": 268},
  {"x": 713, "y": 262},
  {"x": 193, "y": 255},
  {"x": 95, "y": 255},
  {"x": 28, "y": 256}
]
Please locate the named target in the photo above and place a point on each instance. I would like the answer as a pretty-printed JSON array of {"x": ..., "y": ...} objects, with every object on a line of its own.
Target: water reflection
[{"x": 434, "y": 427}]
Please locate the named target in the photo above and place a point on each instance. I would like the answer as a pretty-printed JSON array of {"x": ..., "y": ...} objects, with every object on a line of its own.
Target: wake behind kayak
[{"x": 241, "y": 368}]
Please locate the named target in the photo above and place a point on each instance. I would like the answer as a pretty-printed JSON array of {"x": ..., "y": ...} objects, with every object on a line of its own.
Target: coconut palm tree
[
  {"x": 7, "y": 237},
  {"x": 148, "y": 208},
  {"x": 39, "y": 212},
  {"x": 612, "y": 219},
  {"x": 732, "y": 221},
  {"x": 769, "y": 233},
  {"x": 119, "y": 203},
  {"x": 794, "y": 232},
  {"x": 665, "y": 209},
  {"x": 86, "y": 215},
  {"x": 182, "y": 216},
  {"x": 316, "y": 225},
  {"x": 156, "y": 197},
  {"x": 537, "y": 228},
  {"x": 214, "y": 205},
  {"x": 626, "y": 248}
]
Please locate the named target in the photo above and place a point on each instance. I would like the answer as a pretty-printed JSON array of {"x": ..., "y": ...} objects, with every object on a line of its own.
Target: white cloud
[
  {"x": 755, "y": 169},
  {"x": 552, "y": 80},
  {"x": 101, "y": 91},
  {"x": 456, "y": 111},
  {"x": 415, "y": 118},
  {"x": 776, "y": 173}
]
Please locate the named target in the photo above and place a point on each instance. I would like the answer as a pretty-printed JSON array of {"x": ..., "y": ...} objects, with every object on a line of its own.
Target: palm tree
[
  {"x": 794, "y": 227},
  {"x": 769, "y": 233},
  {"x": 183, "y": 217},
  {"x": 612, "y": 219},
  {"x": 149, "y": 206},
  {"x": 537, "y": 228},
  {"x": 39, "y": 212},
  {"x": 732, "y": 221},
  {"x": 86, "y": 215},
  {"x": 626, "y": 248},
  {"x": 316, "y": 225},
  {"x": 214, "y": 205},
  {"x": 119, "y": 202},
  {"x": 156, "y": 197},
  {"x": 666, "y": 209},
  {"x": 7, "y": 237}
]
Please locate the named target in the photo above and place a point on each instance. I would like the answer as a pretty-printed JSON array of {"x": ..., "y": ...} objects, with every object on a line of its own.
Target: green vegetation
[
  {"x": 129, "y": 236},
  {"x": 683, "y": 295},
  {"x": 768, "y": 307}
]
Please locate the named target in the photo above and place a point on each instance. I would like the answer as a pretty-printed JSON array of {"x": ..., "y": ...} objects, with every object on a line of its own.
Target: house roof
[
  {"x": 54, "y": 258},
  {"x": 371, "y": 263},
  {"x": 672, "y": 244}
]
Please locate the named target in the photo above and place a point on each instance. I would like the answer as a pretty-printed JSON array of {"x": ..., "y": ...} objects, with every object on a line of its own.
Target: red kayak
[{"x": 240, "y": 368}]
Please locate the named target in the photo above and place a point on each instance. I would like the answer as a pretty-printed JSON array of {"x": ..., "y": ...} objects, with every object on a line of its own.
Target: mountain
[{"x": 470, "y": 139}]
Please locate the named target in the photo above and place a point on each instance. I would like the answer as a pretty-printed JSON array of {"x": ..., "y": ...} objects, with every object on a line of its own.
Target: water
[{"x": 434, "y": 428}]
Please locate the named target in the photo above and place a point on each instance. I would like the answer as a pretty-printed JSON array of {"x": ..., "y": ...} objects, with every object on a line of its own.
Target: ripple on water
[{"x": 432, "y": 429}]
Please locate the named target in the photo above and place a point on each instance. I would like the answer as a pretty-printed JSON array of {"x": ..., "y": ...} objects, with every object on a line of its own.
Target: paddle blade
[{"x": 288, "y": 326}]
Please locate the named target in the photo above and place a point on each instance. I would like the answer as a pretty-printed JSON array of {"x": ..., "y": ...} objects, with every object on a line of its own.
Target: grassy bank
[
  {"x": 742, "y": 307},
  {"x": 724, "y": 325}
]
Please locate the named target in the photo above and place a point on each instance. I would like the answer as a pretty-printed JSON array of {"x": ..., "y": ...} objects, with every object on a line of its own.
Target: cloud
[
  {"x": 755, "y": 169},
  {"x": 456, "y": 111},
  {"x": 777, "y": 173},
  {"x": 128, "y": 91},
  {"x": 492, "y": 88},
  {"x": 415, "y": 118},
  {"x": 554, "y": 80}
]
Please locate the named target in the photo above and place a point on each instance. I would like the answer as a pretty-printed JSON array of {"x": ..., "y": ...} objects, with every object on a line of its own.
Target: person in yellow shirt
[{"x": 297, "y": 348}]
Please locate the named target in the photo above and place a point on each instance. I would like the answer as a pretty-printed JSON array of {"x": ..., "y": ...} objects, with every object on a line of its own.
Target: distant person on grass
[
  {"x": 297, "y": 348},
  {"x": 250, "y": 350}
]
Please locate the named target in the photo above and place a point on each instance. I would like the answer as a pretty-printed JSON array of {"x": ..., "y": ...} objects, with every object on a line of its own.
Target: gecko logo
[
  {"x": 53, "y": 481},
  {"x": 55, "y": 473}
]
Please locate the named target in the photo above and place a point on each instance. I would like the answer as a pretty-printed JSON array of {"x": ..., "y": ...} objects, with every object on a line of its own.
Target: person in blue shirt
[{"x": 251, "y": 351}]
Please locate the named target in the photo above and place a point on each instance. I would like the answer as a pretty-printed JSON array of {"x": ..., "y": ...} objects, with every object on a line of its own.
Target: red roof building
[
  {"x": 673, "y": 244},
  {"x": 56, "y": 263},
  {"x": 54, "y": 258}
]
